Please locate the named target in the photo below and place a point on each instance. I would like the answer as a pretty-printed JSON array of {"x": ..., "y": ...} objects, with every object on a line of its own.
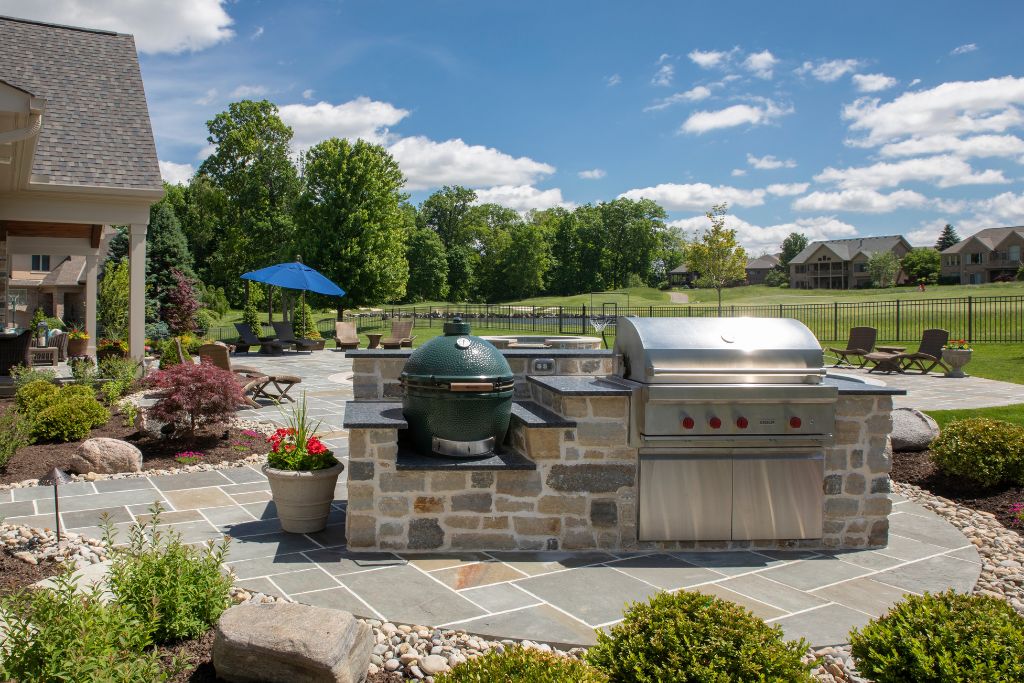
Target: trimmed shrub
[
  {"x": 517, "y": 664},
  {"x": 69, "y": 419},
  {"x": 683, "y": 637},
  {"x": 29, "y": 398},
  {"x": 195, "y": 396},
  {"x": 942, "y": 638},
  {"x": 988, "y": 452},
  {"x": 177, "y": 588}
]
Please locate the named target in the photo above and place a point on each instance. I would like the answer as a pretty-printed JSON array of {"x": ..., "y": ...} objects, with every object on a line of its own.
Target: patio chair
[
  {"x": 928, "y": 354},
  {"x": 14, "y": 351},
  {"x": 247, "y": 339},
  {"x": 401, "y": 335},
  {"x": 252, "y": 380},
  {"x": 286, "y": 335},
  {"x": 345, "y": 336},
  {"x": 60, "y": 340},
  {"x": 862, "y": 340}
]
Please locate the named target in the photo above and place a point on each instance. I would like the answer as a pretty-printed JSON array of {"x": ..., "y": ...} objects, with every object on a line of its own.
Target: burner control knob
[
  {"x": 688, "y": 423},
  {"x": 715, "y": 423},
  {"x": 741, "y": 422},
  {"x": 795, "y": 422}
]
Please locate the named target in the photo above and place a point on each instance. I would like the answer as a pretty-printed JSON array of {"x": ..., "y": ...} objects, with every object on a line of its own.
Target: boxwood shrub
[
  {"x": 691, "y": 637},
  {"x": 942, "y": 638},
  {"x": 30, "y": 397},
  {"x": 988, "y": 452},
  {"x": 522, "y": 665},
  {"x": 69, "y": 419}
]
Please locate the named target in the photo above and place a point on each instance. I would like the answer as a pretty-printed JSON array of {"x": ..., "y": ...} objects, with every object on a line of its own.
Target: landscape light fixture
[{"x": 56, "y": 477}]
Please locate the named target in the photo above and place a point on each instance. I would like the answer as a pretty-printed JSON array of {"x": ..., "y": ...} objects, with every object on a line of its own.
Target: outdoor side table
[
  {"x": 374, "y": 341},
  {"x": 885, "y": 362},
  {"x": 44, "y": 354},
  {"x": 891, "y": 349}
]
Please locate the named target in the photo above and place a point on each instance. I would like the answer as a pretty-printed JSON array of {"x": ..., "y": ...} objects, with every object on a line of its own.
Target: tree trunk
[{"x": 719, "y": 290}]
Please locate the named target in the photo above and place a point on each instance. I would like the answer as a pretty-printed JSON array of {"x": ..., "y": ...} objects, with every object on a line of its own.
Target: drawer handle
[{"x": 472, "y": 386}]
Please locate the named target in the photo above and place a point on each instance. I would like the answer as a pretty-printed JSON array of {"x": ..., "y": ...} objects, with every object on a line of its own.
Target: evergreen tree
[
  {"x": 948, "y": 238},
  {"x": 166, "y": 250}
]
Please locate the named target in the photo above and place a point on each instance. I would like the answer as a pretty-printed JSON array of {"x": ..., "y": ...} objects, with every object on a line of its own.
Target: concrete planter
[
  {"x": 303, "y": 498},
  {"x": 956, "y": 359},
  {"x": 77, "y": 347}
]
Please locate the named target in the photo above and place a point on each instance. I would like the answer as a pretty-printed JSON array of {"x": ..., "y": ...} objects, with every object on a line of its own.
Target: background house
[
  {"x": 758, "y": 268},
  {"x": 76, "y": 155},
  {"x": 842, "y": 264},
  {"x": 681, "y": 276},
  {"x": 991, "y": 255}
]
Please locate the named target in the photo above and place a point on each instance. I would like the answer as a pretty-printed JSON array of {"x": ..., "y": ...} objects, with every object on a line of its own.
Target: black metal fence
[{"x": 976, "y": 319}]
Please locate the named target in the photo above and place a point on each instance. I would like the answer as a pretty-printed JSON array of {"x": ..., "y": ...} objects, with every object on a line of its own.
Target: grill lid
[
  {"x": 718, "y": 350},
  {"x": 458, "y": 361}
]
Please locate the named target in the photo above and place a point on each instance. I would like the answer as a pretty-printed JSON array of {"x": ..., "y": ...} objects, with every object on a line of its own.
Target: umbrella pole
[{"x": 302, "y": 311}]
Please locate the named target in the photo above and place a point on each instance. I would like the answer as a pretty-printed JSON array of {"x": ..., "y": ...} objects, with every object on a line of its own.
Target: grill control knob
[
  {"x": 688, "y": 423},
  {"x": 715, "y": 423},
  {"x": 741, "y": 422},
  {"x": 795, "y": 422}
]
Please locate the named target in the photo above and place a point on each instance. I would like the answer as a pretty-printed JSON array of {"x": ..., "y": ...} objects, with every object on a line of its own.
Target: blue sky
[{"x": 834, "y": 119}]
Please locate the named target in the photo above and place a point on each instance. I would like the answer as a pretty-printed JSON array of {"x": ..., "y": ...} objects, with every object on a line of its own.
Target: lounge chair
[
  {"x": 862, "y": 340},
  {"x": 247, "y": 339},
  {"x": 928, "y": 354},
  {"x": 286, "y": 335},
  {"x": 14, "y": 351},
  {"x": 252, "y": 380},
  {"x": 401, "y": 335},
  {"x": 345, "y": 336}
]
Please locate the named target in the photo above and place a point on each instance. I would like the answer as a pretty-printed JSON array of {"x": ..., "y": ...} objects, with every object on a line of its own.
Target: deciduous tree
[
  {"x": 716, "y": 256},
  {"x": 883, "y": 267},
  {"x": 428, "y": 266},
  {"x": 922, "y": 265},
  {"x": 794, "y": 243}
]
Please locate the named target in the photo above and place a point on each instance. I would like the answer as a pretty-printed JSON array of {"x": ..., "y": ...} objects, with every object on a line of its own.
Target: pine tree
[
  {"x": 166, "y": 251},
  {"x": 948, "y": 238}
]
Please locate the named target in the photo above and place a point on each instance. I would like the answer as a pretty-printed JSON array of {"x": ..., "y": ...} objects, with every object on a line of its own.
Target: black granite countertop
[
  {"x": 374, "y": 415},
  {"x": 852, "y": 386},
  {"x": 408, "y": 459},
  {"x": 509, "y": 353},
  {"x": 533, "y": 414},
  {"x": 579, "y": 385}
]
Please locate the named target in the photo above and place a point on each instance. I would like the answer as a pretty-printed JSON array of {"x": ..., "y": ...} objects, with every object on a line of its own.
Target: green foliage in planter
[
  {"x": 30, "y": 397},
  {"x": 989, "y": 452},
  {"x": 60, "y": 635},
  {"x": 17, "y": 433},
  {"x": 69, "y": 419},
  {"x": 942, "y": 638},
  {"x": 690, "y": 637},
  {"x": 177, "y": 588},
  {"x": 521, "y": 665}
]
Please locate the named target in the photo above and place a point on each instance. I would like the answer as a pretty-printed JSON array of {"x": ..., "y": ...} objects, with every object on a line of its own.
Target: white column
[
  {"x": 91, "y": 262},
  {"x": 137, "y": 290}
]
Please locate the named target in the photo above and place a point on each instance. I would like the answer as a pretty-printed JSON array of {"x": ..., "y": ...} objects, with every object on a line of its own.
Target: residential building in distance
[
  {"x": 991, "y": 255},
  {"x": 842, "y": 264},
  {"x": 680, "y": 276},
  {"x": 758, "y": 268}
]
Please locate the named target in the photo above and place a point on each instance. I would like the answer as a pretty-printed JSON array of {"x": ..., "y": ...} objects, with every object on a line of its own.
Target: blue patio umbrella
[{"x": 295, "y": 275}]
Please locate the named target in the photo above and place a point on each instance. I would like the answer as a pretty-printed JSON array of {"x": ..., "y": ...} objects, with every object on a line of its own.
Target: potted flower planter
[
  {"x": 303, "y": 498},
  {"x": 956, "y": 359}
]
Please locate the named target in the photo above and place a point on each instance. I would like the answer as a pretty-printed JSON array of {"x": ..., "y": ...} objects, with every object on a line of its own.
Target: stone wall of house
[
  {"x": 3, "y": 284},
  {"x": 583, "y": 492}
]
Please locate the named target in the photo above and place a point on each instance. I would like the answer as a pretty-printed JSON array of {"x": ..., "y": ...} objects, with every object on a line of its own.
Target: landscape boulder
[
  {"x": 106, "y": 456},
  {"x": 912, "y": 430},
  {"x": 283, "y": 642}
]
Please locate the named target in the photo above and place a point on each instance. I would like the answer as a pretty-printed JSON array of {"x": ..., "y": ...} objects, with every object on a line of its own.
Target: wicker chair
[
  {"x": 862, "y": 340},
  {"x": 345, "y": 336},
  {"x": 401, "y": 335},
  {"x": 15, "y": 351},
  {"x": 60, "y": 340}
]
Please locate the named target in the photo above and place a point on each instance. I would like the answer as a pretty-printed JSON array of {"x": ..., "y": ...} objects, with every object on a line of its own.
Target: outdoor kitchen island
[{"x": 575, "y": 471}]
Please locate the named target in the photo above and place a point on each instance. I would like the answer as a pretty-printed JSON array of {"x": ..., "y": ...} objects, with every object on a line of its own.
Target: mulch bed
[
  {"x": 15, "y": 574},
  {"x": 217, "y": 445},
  {"x": 919, "y": 470}
]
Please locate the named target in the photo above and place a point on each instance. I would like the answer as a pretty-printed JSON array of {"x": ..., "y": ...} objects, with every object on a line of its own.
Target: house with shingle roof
[
  {"x": 842, "y": 264},
  {"x": 758, "y": 268},
  {"x": 77, "y": 155},
  {"x": 990, "y": 255}
]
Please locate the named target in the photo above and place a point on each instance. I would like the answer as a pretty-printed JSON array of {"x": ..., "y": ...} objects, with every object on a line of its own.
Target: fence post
[
  {"x": 970, "y": 318},
  {"x": 560, "y": 322},
  {"x": 780, "y": 310},
  {"x": 835, "y": 320},
  {"x": 898, "y": 337}
]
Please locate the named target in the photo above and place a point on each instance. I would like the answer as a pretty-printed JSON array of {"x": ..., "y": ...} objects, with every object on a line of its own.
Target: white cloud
[
  {"x": 208, "y": 98},
  {"x": 708, "y": 59},
  {"x": 916, "y": 81},
  {"x": 760, "y": 64},
  {"x": 427, "y": 163},
  {"x": 257, "y": 33},
  {"x": 963, "y": 49},
  {"x": 736, "y": 115},
  {"x": 1004, "y": 209},
  {"x": 928, "y": 234},
  {"x": 769, "y": 162},
  {"x": 873, "y": 82},
  {"x": 829, "y": 71},
  {"x": 359, "y": 118},
  {"x": 694, "y": 94},
  {"x": 956, "y": 108},
  {"x": 592, "y": 174},
  {"x": 158, "y": 25},
  {"x": 976, "y": 146},
  {"x": 861, "y": 201},
  {"x": 522, "y": 197},
  {"x": 738, "y": 172},
  {"x": 663, "y": 76},
  {"x": 756, "y": 238},
  {"x": 696, "y": 196},
  {"x": 206, "y": 151},
  {"x": 613, "y": 80},
  {"x": 787, "y": 189},
  {"x": 307, "y": 94},
  {"x": 176, "y": 173},
  {"x": 943, "y": 171},
  {"x": 244, "y": 91}
]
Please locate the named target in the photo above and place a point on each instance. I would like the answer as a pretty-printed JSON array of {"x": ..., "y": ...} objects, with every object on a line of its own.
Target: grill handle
[
  {"x": 735, "y": 371},
  {"x": 472, "y": 386}
]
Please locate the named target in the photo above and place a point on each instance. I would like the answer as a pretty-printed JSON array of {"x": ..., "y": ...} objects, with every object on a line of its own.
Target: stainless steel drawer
[
  {"x": 685, "y": 498},
  {"x": 777, "y": 497}
]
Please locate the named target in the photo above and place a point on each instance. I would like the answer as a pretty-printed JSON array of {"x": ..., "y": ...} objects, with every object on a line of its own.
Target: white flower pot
[
  {"x": 956, "y": 359},
  {"x": 303, "y": 498}
]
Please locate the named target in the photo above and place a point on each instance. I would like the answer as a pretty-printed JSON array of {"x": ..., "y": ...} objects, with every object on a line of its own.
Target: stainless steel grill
[{"x": 731, "y": 419}]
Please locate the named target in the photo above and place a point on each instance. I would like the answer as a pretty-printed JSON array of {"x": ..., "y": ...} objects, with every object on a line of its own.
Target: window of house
[
  {"x": 860, "y": 267},
  {"x": 41, "y": 263},
  {"x": 801, "y": 269},
  {"x": 952, "y": 259},
  {"x": 1014, "y": 252},
  {"x": 975, "y": 258}
]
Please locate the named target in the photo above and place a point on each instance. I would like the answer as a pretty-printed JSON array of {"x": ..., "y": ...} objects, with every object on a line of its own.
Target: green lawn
[{"x": 1012, "y": 413}]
